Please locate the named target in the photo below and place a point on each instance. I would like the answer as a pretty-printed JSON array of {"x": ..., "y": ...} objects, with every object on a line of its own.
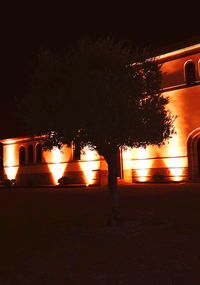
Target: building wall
[
  {"x": 173, "y": 70},
  {"x": 54, "y": 165},
  {"x": 172, "y": 161},
  {"x": 175, "y": 161}
]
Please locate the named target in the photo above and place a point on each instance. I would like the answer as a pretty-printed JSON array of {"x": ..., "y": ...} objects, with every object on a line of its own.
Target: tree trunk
[{"x": 111, "y": 159}]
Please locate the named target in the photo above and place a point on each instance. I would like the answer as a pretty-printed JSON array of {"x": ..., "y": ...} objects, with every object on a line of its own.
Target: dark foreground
[{"x": 58, "y": 236}]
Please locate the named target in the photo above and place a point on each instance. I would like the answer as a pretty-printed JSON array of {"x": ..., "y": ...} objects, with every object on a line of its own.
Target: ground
[{"x": 58, "y": 236}]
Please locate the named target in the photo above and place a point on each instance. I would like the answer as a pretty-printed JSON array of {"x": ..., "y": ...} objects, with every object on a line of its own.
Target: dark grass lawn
[{"x": 58, "y": 236}]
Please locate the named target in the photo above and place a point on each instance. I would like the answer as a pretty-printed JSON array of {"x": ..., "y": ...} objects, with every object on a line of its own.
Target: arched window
[
  {"x": 38, "y": 153},
  {"x": 22, "y": 155},
  {"x": 30, "y": 153},
  {"x": 190, "y": 73}
]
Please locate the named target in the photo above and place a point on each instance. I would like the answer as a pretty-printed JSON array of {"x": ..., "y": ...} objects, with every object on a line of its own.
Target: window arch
[
  {"x": 30, "y": 153},
  {"x": 22, "y": 155},
  {"x": 190, "y": 73},
  {"x": 193, "y": 147},
  {"x": 38, "y": 153}
]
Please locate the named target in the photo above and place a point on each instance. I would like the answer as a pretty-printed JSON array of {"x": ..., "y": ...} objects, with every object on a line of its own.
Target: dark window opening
[
  {"x": 30, "y": 154},
  {"x": 22, "y": 156},
  {"x": 190, "y": 73},
  {"x": 77, "y": 152},
  {"x": 38, "y": 153}
]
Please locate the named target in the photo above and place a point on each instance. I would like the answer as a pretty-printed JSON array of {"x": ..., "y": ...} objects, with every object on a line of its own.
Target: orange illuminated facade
[
  {"x": 26, "y": 162},
  {"x": 178, "y": 160}
]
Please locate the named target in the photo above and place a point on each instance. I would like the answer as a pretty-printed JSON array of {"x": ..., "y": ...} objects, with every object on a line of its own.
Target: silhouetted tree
[{"x": 102, "y": 94}]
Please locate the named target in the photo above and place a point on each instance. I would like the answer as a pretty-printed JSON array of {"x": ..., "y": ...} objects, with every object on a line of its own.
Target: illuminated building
[{"x": 178, "y": 160}]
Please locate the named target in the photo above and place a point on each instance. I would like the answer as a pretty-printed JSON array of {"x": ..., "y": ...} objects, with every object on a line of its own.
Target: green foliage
[{"x": 99, "y": 93}]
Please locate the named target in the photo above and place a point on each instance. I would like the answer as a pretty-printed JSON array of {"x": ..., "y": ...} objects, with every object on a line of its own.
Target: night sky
[{"x": 28, "y": 27}]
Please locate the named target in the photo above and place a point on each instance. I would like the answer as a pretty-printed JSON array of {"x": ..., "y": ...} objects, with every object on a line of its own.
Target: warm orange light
[
  {"x": 137, "y": 160},
  {"x": 175, "y": 162},
  {"x": 176, "y": 149},
  {"x": 127, "y": 158},
  {"x": 55, "y": 164},
  {"x": 10, "y": 161},
  {"x": 142, "y": 164},
  {"x": 180, "y": 52},
  {"x": 89, "y": 163},
  {"x": 127, "y": 155}
]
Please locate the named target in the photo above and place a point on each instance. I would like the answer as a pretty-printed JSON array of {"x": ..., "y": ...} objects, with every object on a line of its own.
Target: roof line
[{"x": 178, "y": 53}]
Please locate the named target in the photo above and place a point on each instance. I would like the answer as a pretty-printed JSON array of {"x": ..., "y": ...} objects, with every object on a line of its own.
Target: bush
[
  {"x": 9, "y": 182},
  {"x": 158, "y": 178},
  {"x": 64, "y": 180}
]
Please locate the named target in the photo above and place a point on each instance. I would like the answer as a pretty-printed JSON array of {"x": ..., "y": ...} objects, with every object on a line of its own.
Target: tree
[{"x": 102, "y": 94}]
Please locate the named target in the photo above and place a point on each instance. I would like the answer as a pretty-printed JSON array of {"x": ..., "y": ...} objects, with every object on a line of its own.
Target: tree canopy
[{"x": 101, "y": 93}]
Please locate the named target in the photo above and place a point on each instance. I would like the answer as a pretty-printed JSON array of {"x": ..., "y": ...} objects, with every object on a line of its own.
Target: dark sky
[{"x": 28, "y": 27}]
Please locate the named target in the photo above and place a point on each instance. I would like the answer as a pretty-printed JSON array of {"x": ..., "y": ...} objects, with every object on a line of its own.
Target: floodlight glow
[
  {"x": 142, "y": 164},
  {"x": 10, "y": 161},
  {"x": 175, "y": 162},
  {"x": 90, "y": 162},
  {"x": 54, "y": 159}
]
